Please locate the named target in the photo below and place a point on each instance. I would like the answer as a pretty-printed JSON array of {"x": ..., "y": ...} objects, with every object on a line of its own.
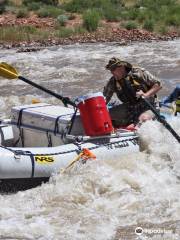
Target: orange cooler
[{"x": 94, "y": 115}]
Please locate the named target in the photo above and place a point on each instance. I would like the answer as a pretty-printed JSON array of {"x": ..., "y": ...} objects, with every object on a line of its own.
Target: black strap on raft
[
  {"x": 21, "y": 137},
  {"x": 49, "y": 139},
  {"x": 19, "y": 123},
  {"x": 20, "y": 117},
  {"x": 56, "y": 126},
  {"x": 21, "y": 133},
  {"x": 25, "y": 153},
  {"x": 33, "y": 165},
  {"x": 72, "y": 121}
]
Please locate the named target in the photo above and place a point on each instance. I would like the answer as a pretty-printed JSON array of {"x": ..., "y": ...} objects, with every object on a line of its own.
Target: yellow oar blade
[{"x": 7, "y": 71}]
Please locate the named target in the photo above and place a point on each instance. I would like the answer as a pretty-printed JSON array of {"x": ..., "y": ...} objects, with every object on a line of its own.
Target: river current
[{"x": 103, "y": 199}]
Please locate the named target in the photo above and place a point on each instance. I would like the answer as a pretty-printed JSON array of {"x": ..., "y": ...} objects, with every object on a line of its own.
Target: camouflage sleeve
[
  {"x": 146, "y": 76},
  {"x": 109, "y": 90},
  {"x": 150, "y": 79}
]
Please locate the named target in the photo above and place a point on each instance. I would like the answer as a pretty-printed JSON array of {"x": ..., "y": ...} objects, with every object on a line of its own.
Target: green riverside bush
[
  {"x": 79, "y": 30},
  {"x": 33, "y": 6},
  {"x": 28, "y": 29},
  {"x": 48, "y": 2},
  {"x": 149, "y": 25},
  {"x": 64, "y": 32},
  {"x": 162, "y": 29},
  {"x": 153, "y": 15},
  {"x": 91, "y": 20},
  {"x": 173, "y": 20},
  {"x": 22, "y": 13},
  {"x": 81, "y": 5},
  {"x": 133, "y": 13},
  {"x": 62, "y": 20},
  {"x": 130, "y": 25},
  {"x": 111, "y": 13},
  {"x": 3, "y": 4},
  {"x": 49, "y": 11}
]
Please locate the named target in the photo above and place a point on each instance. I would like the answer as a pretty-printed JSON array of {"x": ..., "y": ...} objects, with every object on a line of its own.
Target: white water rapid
[{"x": 103, "y": 199}]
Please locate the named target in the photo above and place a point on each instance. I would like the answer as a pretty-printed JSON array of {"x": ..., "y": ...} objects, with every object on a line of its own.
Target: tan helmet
[{"x": 116, "y": 62}]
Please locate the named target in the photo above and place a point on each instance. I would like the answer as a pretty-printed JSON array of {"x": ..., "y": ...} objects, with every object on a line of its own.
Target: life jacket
[
  {"x": 177, "y": 103},
  {"x": 128, "y": 88}
]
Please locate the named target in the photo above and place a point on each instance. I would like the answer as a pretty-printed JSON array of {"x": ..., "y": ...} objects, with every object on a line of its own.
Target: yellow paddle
[{"x": 9, "y": 72}]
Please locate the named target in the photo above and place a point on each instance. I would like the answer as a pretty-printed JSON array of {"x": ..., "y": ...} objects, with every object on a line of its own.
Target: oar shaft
[
  {"x": 46, "y": 90},
  {"x": 162, "y": 120}
]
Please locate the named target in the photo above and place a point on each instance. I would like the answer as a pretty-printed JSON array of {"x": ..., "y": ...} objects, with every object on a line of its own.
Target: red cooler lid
[{"x": 88, "y": 96}]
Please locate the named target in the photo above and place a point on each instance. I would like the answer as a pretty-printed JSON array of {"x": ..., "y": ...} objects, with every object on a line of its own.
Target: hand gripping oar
[
  {"x": 162, "y": 120},
  {"x": 9, "y": 72}
]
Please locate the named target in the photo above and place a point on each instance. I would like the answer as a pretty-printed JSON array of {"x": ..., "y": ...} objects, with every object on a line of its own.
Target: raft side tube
[{"x": 43, "y": 162}]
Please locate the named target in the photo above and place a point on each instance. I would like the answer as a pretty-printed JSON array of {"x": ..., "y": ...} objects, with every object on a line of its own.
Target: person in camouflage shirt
[{"x": 130, "y": 83}]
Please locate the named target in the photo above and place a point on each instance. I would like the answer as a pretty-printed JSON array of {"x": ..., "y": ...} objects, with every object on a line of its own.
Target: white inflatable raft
[{"x": 41, "y": 139}]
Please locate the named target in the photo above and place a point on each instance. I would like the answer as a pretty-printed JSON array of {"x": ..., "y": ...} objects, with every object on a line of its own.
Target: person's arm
[
  {"x": 109, "y": 90},
  {"x": 153, "y": 82},
  {"x": 154, "y": 89}
]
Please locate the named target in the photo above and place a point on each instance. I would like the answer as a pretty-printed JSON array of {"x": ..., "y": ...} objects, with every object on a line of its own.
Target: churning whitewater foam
[
  {"x": 6, "y": 103},
  {"x": 93, "y": 200},
  {"x": 80, "y": 68}
]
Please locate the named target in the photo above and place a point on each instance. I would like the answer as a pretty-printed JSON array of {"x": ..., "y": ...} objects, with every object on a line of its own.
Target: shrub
[
  {"x": 12, "y": 9},
  {"x": 33, "y": 6},
  {"x": 162, "y": 29},
  {"x": 111, "y": 13},
  {"x": 48, "y": 2},
  {"x": 2, "y": 9},
  {"x": 133, "y": 13},
  {"x": 62, "y": 19},
  {"x": 72, "y": 17},
  {"x": 11, "y": 34},
  {"x": 130, "y": 14},
  {"x": 17, "y": 33},
  {"x": 49, "y": 11},
  {"x": 41, "y": 35},
  {"x": 149, "y": 25},
  {"x": 173, "y": 20},
  {"x": 130, "y": 25},
  {"x": 22, "y": 13},
  {"x": 91, "y": 20},
  {"x": 3, "y": 4},
  {"x": 79, "y": 30},
  {"x": 28, "y": 29},
  {"x": 64, "y": 32},
  {"x": 81, "y": 5},
  {"x": 124, "y": 15},
  {"x": 156, "y": 3},
  {"x": 142, "y": 16},
  {"x": 22, "y": 33}
]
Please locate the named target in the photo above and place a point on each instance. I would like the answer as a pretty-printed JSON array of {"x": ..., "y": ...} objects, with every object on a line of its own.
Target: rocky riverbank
[{"x": 107, "y": 32}]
